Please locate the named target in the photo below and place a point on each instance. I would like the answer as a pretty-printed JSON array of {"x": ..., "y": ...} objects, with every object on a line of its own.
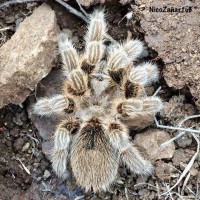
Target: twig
[
  {"x": 185, "y": 183},
  {"x": 25, "y": 168},
  {"x": 175, "y": 128},
  {"x": 181, "y": 133},
  {"x": 156, "y": 92},
  {"x": 72, "y": 10},
  {"x": 187, "y": 118},
  {"x": 79, "y": 14},
  {"x": 82, "y": 10},
  {"x": 6, "y": 28},
  {"x": 170, "y": 194},
  {"x": 8, "y": 3},
  {"x": 164, "y": 144},
  {"x": 188, "y": 167}
]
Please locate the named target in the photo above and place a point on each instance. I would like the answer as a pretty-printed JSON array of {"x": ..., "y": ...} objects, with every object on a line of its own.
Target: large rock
[
  {"x": 27, "y": 57},
  {"x": 151, "y": 140},
  {"x": 175, "y": 36}
]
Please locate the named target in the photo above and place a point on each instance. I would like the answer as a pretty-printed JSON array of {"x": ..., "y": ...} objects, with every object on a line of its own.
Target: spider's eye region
[{"x": 100, "y": 78}]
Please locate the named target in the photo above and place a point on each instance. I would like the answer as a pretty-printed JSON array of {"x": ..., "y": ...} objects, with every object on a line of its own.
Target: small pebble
[
  {"x": 25, "y": 147},
  {"x": 46, "y": 174}
]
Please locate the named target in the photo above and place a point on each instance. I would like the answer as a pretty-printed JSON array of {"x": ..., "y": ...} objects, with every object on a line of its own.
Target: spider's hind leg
[
  {"x": 62, "y": 138},
  {"x": 129, "y": 154},
  {"x": 136, "y": 161}
]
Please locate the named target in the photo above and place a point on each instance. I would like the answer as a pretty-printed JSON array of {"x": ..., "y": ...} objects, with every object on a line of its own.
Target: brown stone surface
[
  {"x": 27, "y": 57},
  {"x": 151, "y": 140},
  {"x": 88, "y": 3},
  {"x": 175, "y": 36}
]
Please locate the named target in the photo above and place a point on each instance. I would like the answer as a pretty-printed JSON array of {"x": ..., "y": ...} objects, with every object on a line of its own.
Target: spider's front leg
[
  {"x": 129, "y": 154},
  {"x": 62, "y": 138},
  {"x": 55, "y": 104},
  {"x": 94, "y": 47},
  {"x": 77, "y": 85},
  {"x": 144, "y": 74},
  {"x": 69, "y": 54}
]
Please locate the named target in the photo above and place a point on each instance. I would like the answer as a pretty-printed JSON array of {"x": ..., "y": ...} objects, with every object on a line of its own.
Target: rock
[
  {"x": 27, "y": 57},
  {"x": 53, "y": 84},
  {"x": 14, "y": 132},
  {"x": 47, "y": 149},
  {"x": 88, "y": 3},
  {"x": 124, "y": 2},
  {"x": 26, "y": 146},
  {"x": 151, "y": 140},
  {"x": 175, "y": 36},
  {"x": 165, "y": 171},
  {"x": 139, "y": 122},
  {"x": 185, "y": 140},
  {"x": 46, "y": 174},
  {"x": 176, "y": 110},
  {"x": 18, "y": 144},
  {"x": 182, "y": 156}
]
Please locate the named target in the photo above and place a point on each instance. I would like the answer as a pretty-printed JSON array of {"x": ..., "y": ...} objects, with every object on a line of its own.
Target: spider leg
[
  {"x": 131, "y": 89},
  {"x": 69, "y": 54},
  {"x": 134, "y": 49},
  {"x": 62, "y": 138},
  {"x": 144, "y": 74},
  {"x": 129, "y": 154},
  {"x": 118, "y": 64},
  {"x": 94, "y": 47},
  {"x": 48, "y": 106},
  {"x": 131, "y": 108},
  {"x": 77, "y": 84},
  {"x": 135, "y": 161}
]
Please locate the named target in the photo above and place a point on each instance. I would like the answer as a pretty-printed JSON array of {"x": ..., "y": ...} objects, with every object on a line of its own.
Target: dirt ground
[{"x": 25, "y": 171}]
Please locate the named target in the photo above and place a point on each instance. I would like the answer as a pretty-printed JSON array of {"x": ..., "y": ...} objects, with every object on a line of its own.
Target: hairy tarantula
[{"x": 102, "y": 94}]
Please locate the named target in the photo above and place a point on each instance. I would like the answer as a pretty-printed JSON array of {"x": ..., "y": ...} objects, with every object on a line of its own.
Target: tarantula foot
[{"x": 136, "y": 162}]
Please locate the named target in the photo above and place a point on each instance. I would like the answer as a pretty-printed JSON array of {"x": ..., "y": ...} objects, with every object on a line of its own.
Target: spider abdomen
[
  {"x": 93, "y": 160},
  {"x": 94, "y": 168}
]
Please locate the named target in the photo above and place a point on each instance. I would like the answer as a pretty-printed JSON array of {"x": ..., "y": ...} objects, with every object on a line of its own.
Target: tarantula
[{"x": 102, "y": 93}]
